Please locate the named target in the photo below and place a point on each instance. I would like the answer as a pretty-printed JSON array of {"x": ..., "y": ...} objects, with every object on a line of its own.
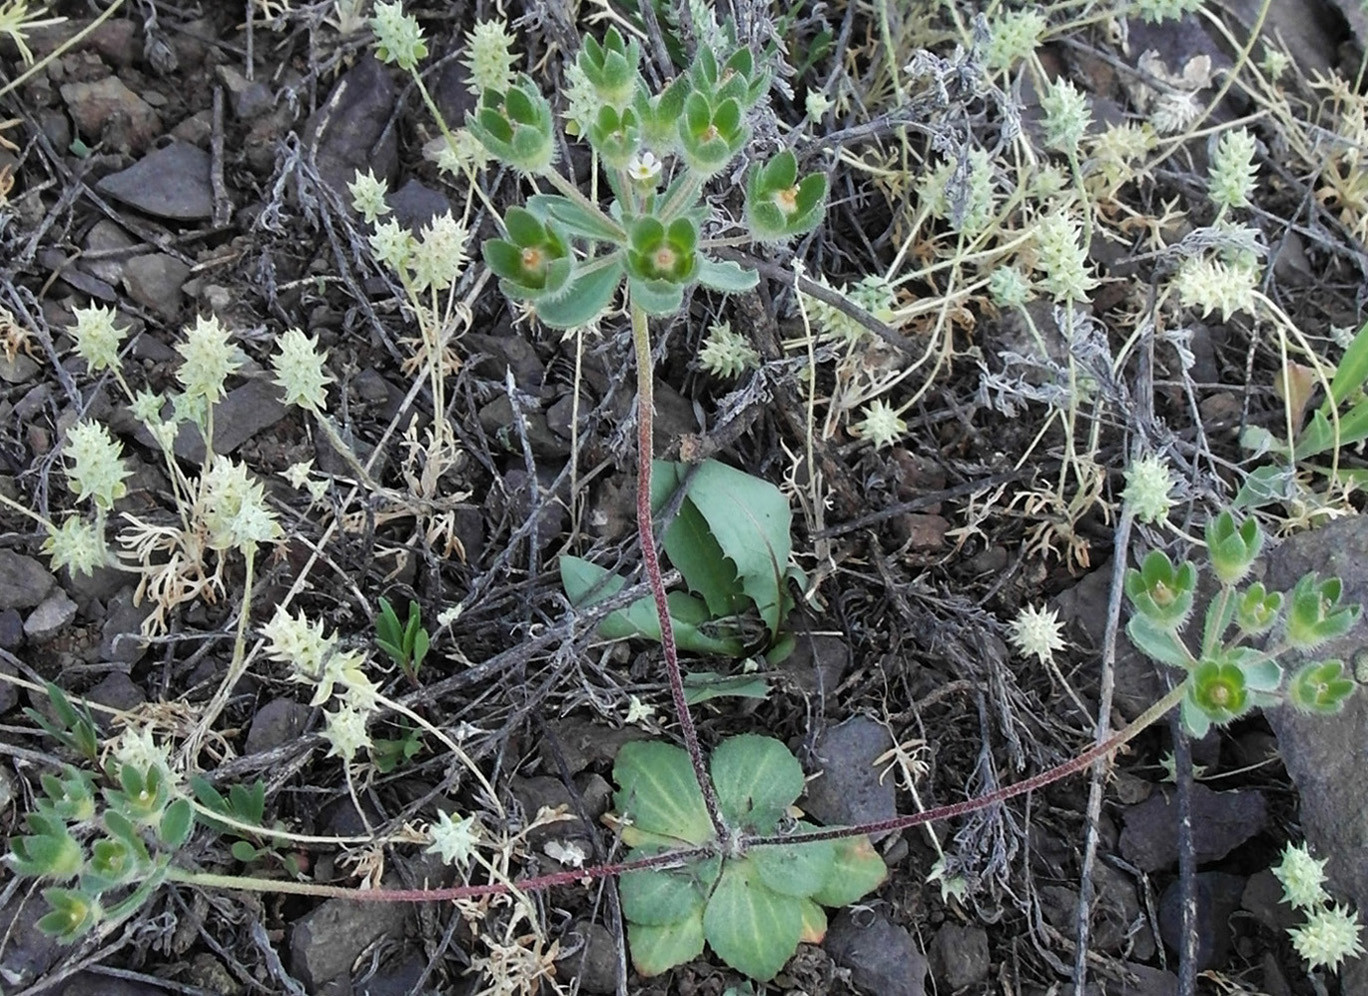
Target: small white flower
[
  {"x": 298, "y": 474},
  {"x": 638, "y": 712},
  {"x": 643, "y": 167},
  {"x": 1036, "y": 633},
  {"x": 569, "y": 852},
  {"x": 1302, "y": 877},
  {"x": 455, "y": 842},
  {"x": 299, "y": 643},
  {"x": 816, "y": 105}
]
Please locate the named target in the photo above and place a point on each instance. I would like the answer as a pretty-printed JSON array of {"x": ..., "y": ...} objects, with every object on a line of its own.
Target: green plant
[
  {"x": 752, "y": 897},
  {"x": 730, "y": 541},
  {"x": 1226, "y": 677},
  {"x": 406, "y": 644},
  {"x": 1330, "y": 932}
]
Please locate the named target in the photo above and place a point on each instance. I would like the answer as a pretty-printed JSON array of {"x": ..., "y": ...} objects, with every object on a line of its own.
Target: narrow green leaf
[
  {"x": 703, "y": 686},
  {"x": 658, "y": 792},
  {"x": 750, "y": 926},
  {"x": 757, "y": 779},
  {"x": 578, "y": 219},
  {"x": 726, "y": 276},
  {"x": 1351, "y": 373}
]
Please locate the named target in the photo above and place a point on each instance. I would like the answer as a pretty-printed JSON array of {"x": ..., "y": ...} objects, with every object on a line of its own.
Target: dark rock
[
  {"x": 11, "y": 629},
  {"x": 959, "y": 955},
  {"x": 26, "y": 953},
  {"x": 497, "y": 420},
  {"x": 121, "y": 634},
  {"x": 544, "y": 792},
  {"x": 1116, "y": 910},
  {"x": 169, "y": 183},
  {"x": 9, "y": 694},
  {"x": 106, "y": 237},
  {"x": 1328, "y": 776},
  {"x": 155, "y": 282},
  {"x": 1221, "y": 822},
  {"x": 397, "y": 977},
  {"x": 277, "y": 722},
  {"x": 350, "y": 131},
  {"x": 582, "y": 742},
  {"x": 243, "y": 412},
  {"x": 498, "y": 353},
  {"x": 52, "y": 615},
  {"x": 1263, "y": 899},
  {"x": 117, "y": 691},
  {"x": 882, "y": 958},
  {"x": 97, "y": 984},
  {"x": 414, "y": 205},
  {"x": 327, "y": 941},
  {"x": 552, "y": 518},
  {"x": 593, "y": 958},
  {"x": 107, "y": 111},
  {"x": 210, "y": 974},
  {"x": 818, "y": 663},
  {"x": 1218, "y": 896},
  {"x": 24, "y": 582},
  {"x": 850, "y": 789}
]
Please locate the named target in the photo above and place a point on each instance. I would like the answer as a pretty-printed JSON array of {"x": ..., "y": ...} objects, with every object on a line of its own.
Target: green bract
[
  {"x": 611, "y": 67},
  {"x": 751, "y": 904},
  {"x": 1314, "y": 614},
  {"x": 616, "y": 135},
  {"x": 1256, "y": 609},
  {"x": 1160, "y": 592},
  {"x": 1321, "y": 686},
  {"x": 736, "y": 79},
  {"x": 777, "y": 205},
  {"x": 659, "y": 114},
  {"x": 1232, "y": 548},
  {"x": 516, "y": 127},
  {"x": 710, "y": 133},
  {"x": 534, "y": 261},
  {"x": 661, "y": 262}
]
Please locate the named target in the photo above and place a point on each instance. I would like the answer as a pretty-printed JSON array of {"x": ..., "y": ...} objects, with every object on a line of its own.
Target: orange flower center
[{"x": 787, "y": 200}]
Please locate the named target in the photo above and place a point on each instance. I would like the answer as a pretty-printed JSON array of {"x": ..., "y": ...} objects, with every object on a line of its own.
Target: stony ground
[{"x": 175, "y": 162}]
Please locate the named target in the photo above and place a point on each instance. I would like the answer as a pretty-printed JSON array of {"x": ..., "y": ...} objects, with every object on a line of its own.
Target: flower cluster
[
  {"x": 490, "y": 57},
  {"x": 96, "y": 470},
  {"x": 1207, "y": 284},
  {"x": 1036, "y": 633},
  {"x": 727, "y": 353},
  {"x": 962, "y": 192},
  {"x": 209, "y": 359},
  {"x": 1066, "y": 116},
  {"x": 97, "y": 338},
  {"x": 299, "y": 370},
  {"x": 398, "y": 38},
  {"x": 1148, "y": 483},
  {"x": 1155, "y": 11},
  {"x": 1061, "y": 260},
  {"x": 1331, "y": 931},
  {"x": 881, "y": 425},
  {"x": 1013, "y": 36},
  {"x": 1231, "y": 177}
]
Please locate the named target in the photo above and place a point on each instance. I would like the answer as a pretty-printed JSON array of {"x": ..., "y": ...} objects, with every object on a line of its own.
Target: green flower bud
[
  {"x": 736, "y": 79},
  {"x": 709, "y": 135},
  {"x": 1314, "y": 614},
  {"x": 611, "y": 67},
  {"x": 144, "y": 795},
  {"x": 659, "y": 115},
  {"x": 1218, "y": 688},
  {"x": 1232, "y": 548},
  {"x": 777, "y": 206},
  {"x": 1160, "y": 592},
  {"x": 516, "y": 127},
  {"x": 1257, "y": 609},
  {"x": 49, "y": 852},
  {"x": 71, "y": 797},
  {"x": 534, "y": 261},
  {"x": 73, "y": 913},
  {"x": 661, "y": 262},
  {"x": 616, "y": 136},
  {"x": 1320, "y": 687}
]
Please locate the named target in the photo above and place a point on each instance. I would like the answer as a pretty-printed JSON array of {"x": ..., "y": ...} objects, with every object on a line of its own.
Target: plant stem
[
  {"x": 641, "y": 340},
  {"x": 1146, "y": 719},
  {"x": 208, "y": 880}
]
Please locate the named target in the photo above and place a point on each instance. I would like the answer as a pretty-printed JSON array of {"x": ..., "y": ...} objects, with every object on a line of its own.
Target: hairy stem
[{"x": 641, "y": 340}]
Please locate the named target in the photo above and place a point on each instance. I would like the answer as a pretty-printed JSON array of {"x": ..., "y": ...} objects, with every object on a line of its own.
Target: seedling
[{"x": 406, "y": 644}]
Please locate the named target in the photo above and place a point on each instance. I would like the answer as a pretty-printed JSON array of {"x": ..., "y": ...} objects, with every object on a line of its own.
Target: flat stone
[
  {"x": 105, "y": 110},
  {"x": 959, "y": 955},
  {"x": 1221, "y": 822},
  {"x": 882, "y": 958},
  {"x": 155, "y": 282},
  {"x": 415, "y": 205},
  {"x": 121, "y": 634},
  {"x": 350, "y": 132},
  {"x": 594, "y": 964},
  {"x": 118, "y": 691},
  {"x": 277, "y": 722},
  {"x": 327, "y": 941},
  {"x": 105, "y": 236},
  {"x": 244, "y": 411},
  {"x": 24, "y": 582},
  {"x": 1316, "y": 750},
  {"x": 52, "y": 615},
  {"x": 850, "y": 790},
  {"x": 169, "y": 183},
  {"x": 1218, "y": 896},
  {"x": 9, "y": 694}
]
